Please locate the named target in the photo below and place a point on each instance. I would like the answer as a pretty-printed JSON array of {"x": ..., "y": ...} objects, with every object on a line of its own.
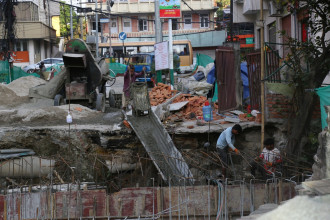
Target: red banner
[{"x": 170, "y": 13}]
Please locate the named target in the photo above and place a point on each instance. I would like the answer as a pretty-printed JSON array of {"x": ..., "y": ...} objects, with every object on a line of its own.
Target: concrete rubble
[{"x": 96, "y": 141}]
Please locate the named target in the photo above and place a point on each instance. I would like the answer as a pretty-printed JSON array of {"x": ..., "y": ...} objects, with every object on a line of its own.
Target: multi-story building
[
  {"x": 277, "y": 18},
  {"x": 136, "y": 18},
  {"x": 33, "y": 35}
]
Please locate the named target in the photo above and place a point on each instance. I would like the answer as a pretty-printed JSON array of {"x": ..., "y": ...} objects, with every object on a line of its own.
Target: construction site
[{"x": 77, "y": 155}]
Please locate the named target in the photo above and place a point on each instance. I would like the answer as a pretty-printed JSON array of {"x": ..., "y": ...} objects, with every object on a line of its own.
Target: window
[
  {"x": 181, "y": 49},
  {"x": 175, "y": 25},
  {"x": 143, "y": 24},
  {"x": 204, "y": 19},
  {"x": 187, "y": 21},
  {"x": 21, "y": 45},
  {"x": 272, "y": 35},
  {"x": 113, "y": 25},
  {"x": 127, "y": 25},
  {"x": 99, "y": 26}
]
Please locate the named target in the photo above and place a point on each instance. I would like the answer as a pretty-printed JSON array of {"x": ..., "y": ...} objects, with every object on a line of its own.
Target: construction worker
[
  {"x": 129, "y": 78},
  {"x": 42, "y": 69},
  {"x": 268, "y": 160},
  {"x": 225, "y": 140}
]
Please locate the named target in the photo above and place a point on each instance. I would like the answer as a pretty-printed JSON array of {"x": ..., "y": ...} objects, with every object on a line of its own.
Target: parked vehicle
[{"x": 48, "y": 63}]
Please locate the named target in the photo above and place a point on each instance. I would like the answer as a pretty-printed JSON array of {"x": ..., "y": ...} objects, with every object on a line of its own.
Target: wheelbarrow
[{"x": 140, "y": 99}]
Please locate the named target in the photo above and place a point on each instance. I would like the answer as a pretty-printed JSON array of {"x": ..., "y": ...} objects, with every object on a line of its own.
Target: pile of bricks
[
  {"x": 246, "y": 117},
  {"x": 160, "y": 93}
]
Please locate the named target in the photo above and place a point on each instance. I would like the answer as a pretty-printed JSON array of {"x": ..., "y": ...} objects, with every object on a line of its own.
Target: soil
[{"x": 18, "y": 109}]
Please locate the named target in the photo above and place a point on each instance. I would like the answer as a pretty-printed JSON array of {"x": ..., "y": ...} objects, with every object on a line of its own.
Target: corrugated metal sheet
[{"x": 226, "y": 78}]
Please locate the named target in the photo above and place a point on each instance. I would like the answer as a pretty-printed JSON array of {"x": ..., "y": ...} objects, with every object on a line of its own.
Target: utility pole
[
  {"x": 262, "y": 74},
  {"x": 97, "y": 29},
  {"x": 231, "y": 20},
  {"x": 81, "y": 24},
  {"x": 170, "y": 48},
  {"x": 71, "y": 28},
  {"x": 158, "y": 33},
  {"x": 110, "y": 4}
]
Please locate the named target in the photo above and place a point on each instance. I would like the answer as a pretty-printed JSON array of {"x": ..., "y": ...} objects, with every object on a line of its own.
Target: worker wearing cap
[{"x": 225, "y": 140}]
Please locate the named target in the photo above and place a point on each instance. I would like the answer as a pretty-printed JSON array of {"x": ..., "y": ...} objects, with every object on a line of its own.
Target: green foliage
[
  {"x": 221, "y": 4},
  {"x": 309, "y": 64},
  {"x": 65, "y": 22}
]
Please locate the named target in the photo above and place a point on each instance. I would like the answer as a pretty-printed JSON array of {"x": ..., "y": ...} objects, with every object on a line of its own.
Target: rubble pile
[
  {"x": 160, "y": 94},
  {"x": 192, "y": 110}
]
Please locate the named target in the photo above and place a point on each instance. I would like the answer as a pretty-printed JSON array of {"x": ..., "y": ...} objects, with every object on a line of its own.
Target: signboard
[
  {"x": 122, "y": 36},
  {"x": 104, "y": 20},
  {"x": 169, "y": 8},
  {"x": 161, "y": 56},
  {"x": 249, "y": 40},
  {"x": 18, "y": 56}
]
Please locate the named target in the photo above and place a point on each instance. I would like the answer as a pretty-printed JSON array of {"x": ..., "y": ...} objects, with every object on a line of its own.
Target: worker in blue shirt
[{"x": 225, "y": 140}]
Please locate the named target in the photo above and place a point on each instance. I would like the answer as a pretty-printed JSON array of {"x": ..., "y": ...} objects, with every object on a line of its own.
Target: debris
[
  {"x": 177, "y": 106},
  {"x": 30, "y": 166},
  {"x": 127, "y": 125},
  {"x": 190, "y": 126},
  {"x": 58, "y": 177},
  {"x": 233, "y": 120},
  {"x": 6, "y": 154},
  {"x": 236, "y": 112}
]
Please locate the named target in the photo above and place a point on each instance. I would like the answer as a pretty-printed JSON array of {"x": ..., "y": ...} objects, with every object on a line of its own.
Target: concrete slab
[
  {"x": 320, "y": 187},
  {"x": 177, "y": 106}
]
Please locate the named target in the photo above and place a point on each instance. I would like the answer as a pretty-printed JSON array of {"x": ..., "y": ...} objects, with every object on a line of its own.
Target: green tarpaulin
[
  {"x": 203, "y": 60},
  {"x": 324, "y": 94},
  {"x": 117, "y": 68},
  {"x": 15, "y": 73}
]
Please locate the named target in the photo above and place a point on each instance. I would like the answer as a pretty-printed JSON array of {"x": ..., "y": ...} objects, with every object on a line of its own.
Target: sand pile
[
  {"x": 8, "y": 97},
  {"x": 302, "y": 208},
  {"x": 54, "y": 113},
  {"x": 22, "y": 85}
]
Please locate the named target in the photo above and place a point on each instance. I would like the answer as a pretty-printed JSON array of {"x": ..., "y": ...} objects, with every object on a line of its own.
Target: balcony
[
  {"x": 253, "y": 6},
  {"x": 31, "y": 30},
  {"x": 148, "y": 6}
]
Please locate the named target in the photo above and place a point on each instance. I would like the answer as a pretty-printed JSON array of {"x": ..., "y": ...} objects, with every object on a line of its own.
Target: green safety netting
[
  {"x": 117, "y": 68},
  {"x": 203, "y": 60},
  {"x": 324, "y": 94},
  {"x": 15, "y": 73}
]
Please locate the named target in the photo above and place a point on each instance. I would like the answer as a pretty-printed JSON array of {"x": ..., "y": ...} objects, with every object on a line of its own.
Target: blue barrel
[{"x": 207, "y": 112}]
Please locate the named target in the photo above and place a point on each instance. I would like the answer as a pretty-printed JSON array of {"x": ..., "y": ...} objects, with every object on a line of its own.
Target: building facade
[
  {"x": 280, "y": 21},
  {"x": 34, "y": 36},
  {"x": 136, "y": 19}
]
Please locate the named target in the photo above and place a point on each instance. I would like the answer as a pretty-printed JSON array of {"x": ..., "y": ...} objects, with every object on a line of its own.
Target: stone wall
[{"x": 279, "y": 104}]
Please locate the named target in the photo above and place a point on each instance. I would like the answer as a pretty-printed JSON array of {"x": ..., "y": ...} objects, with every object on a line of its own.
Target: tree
[
  {"x": 310, "y": 63},
  {"x": 65, "y": 21},
  {"x": 221, "y": 4}
]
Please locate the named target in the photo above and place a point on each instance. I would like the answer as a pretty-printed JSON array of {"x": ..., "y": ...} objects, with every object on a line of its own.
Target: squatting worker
[
  {"x": 129, "y": 78},
  {"x": 225, "y": 140}
]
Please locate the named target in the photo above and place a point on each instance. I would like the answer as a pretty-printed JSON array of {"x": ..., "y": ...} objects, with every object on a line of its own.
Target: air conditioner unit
[
  {"x": 274, "y": 10},
  {"x": 239, "y": 1}
]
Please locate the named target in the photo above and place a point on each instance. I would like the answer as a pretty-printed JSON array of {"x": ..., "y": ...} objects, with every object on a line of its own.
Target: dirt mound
[
  {"x": 55, "y": 113},
  {"x": 22, "y": 85},
  {"x": 8, "y": 97}
]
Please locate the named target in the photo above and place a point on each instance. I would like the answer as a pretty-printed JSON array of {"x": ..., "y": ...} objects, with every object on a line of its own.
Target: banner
[
  {"x": 161, "y": 56},
  {"x": 169, "y": 8}
]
